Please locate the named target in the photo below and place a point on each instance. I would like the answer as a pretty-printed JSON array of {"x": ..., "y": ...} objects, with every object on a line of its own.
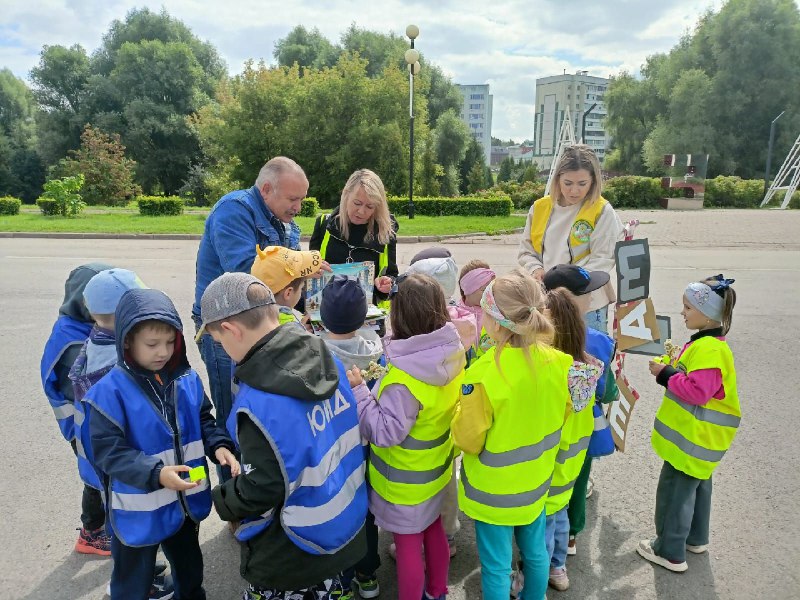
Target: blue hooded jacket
[{"x": 112, "y": 454}]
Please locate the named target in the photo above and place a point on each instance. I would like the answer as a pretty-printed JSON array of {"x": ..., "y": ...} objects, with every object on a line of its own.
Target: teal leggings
[{"x": 495, "y": 552}]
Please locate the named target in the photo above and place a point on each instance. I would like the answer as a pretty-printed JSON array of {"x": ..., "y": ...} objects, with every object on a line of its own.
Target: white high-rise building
[
  {"x": 476, "y": 112},
  {"x": 576, "y": 93}
]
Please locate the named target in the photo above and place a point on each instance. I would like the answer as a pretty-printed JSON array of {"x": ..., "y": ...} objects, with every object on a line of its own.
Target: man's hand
[
  {"x": 383, "y": 284},
  {"x": 354, "y": 377},
  {"x": 170, "y": 478},
  {"x": 226, "y": 458}
]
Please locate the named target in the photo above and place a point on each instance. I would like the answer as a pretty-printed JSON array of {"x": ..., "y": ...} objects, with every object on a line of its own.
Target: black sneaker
[{"x": 162, "y": 588}]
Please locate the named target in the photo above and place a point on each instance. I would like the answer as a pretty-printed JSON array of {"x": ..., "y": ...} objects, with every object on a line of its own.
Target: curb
[{"x": 414, "y": 239}]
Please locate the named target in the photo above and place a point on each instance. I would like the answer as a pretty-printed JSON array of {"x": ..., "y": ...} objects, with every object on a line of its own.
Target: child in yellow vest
[
  {"x": 512, "y": 407},
  {"x": 694, "y": 426},
  {"x": 407, "y": 423}
]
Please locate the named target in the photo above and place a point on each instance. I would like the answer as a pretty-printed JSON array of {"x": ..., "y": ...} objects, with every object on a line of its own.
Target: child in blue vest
[
  {"x": 581, "y": 283},
  {"x": 301, "y": 499},
  {"x": 695, "y": 424},
  {"x": 69, "y": 333},
  {"x": 408, "y": 425},
  {"x": 151, "y": 424},
  {"x": 343, "y": 310}
]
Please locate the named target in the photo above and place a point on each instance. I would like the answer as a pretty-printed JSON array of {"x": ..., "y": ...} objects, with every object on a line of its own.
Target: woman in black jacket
[{"x": 360, "y": 229}]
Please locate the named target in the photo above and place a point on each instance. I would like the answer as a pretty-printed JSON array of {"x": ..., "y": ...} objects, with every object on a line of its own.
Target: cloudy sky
[{"x": 506, "y": 43}]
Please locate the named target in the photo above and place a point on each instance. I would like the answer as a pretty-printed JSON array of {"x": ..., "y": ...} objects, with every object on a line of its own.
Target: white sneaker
[
  {"x": 697, "y": 549},
  {"x": 645, "y": 550},
  {"x": 590, "y": 487},
  {"x": 572, "y": 547}
]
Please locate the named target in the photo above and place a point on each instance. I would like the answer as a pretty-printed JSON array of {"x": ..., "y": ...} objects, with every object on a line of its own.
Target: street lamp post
[
  {"x": 769, "y": 151},
  {"x": 412, "y": 59},
  {"x": 583, "y": 123}
]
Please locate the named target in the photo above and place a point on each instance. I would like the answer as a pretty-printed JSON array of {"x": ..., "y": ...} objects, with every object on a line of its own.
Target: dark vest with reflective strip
[
  {"x": 693, "y": 438},
  {"x": 139, "y": 517},
  {"x": 318, "y": 446},
  {"x": 508, "y": 482},
  {"x": 83, "y": 448},
  {"x": 66, "y": 332}
]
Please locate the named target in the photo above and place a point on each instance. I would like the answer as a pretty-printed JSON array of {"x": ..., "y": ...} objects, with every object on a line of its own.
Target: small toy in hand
[
  {"x": 673, "y": 350},
  {"x": 374, "y": 371},
  {"x": 197, "y": 473}
]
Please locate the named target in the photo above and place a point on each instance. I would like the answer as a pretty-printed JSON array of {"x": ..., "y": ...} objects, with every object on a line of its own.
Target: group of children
[{"x": 483, "y": 397}]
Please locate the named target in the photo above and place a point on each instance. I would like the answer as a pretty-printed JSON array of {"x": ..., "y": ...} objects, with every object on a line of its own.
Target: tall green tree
[
  {"x": 473, "y": 156},
  {"x": 506, "y": 168},
  {"x": 306, "y": 48}
]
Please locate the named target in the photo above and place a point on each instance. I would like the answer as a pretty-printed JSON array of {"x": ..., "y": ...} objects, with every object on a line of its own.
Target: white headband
[{"x": 706, "y": 300}]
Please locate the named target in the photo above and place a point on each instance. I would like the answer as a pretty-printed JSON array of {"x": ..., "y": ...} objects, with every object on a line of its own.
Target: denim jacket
[{"x": 238, "y": 222}]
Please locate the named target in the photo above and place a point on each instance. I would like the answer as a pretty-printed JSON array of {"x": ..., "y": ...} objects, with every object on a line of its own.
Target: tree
[
  {"x": 380, "y": 50},
  {"x": 306, "y": 48},
  {"x": 108, "y": 174},
  {"x": 473, "y": 156},
  {"x": 476, "y": 179},
  {"x": 431, "y": 172},
  {"x": 506, "y": 167}
]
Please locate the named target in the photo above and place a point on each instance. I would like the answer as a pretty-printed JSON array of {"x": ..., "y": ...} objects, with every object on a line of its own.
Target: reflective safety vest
[
  {"x": 83, "y": 448},
  {"x": 421, "y": 465},
  {"x": 575, "y": 436},
  {"x": 139, "y": 517},
  {"x": 692, "y": 438},
  {"x": 383, "y": 257},
  {"x": 580, "y": 232},
  {"x": 318, "y": 447},
  {"x": 507, "y": 483},
  {"x": 66, "y": 332}
]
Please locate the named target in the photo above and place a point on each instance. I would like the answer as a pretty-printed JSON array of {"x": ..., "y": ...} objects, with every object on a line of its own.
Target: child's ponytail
[
  {"x": 723, "y": 288},
  {"x": 570, "y": 329}
]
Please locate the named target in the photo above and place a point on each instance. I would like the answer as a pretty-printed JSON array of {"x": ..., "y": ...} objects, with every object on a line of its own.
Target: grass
[{"x": 117, "y": 222}]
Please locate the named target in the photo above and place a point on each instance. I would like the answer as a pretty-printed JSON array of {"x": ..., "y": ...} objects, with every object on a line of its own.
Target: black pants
[
  {"x": 133, "y": 573},
  {"x": 683, "y": 512},
  {"x": 93, "y": 515}
]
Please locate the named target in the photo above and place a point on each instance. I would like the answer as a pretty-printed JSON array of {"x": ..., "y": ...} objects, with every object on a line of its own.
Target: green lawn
[{"x": 193, "y": 223}]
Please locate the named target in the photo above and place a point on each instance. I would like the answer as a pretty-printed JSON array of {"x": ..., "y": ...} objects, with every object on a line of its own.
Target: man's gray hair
[{"x": 276, "y": 168}]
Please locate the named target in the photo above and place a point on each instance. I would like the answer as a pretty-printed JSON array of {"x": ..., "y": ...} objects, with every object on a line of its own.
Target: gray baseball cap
[{"x": 226, "y": 296}]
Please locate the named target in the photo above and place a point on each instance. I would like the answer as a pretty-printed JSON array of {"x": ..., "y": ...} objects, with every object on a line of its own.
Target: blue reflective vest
[
  {"x": 142, "y": 518},
  {"x": 601, "y": 346},
  {"x": 66, "y": 332},
  {"x": 318, "y": 446},
  {"x": 83, "y": 448}
]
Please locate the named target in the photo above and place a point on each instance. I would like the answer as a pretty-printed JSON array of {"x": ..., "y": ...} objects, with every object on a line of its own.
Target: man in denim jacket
[{"x": 262, "y": 215}]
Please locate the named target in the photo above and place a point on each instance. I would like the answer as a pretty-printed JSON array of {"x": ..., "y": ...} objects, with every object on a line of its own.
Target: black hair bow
[{"x": 721, "y": 284}]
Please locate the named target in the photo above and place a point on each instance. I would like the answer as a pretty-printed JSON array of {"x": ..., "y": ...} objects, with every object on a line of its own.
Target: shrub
[
  {"x": 726, "y": 191},
  {"x": 523, "y": 195},
  {"x": 9, "y": 205},
  {"x": 630, "y": 191},
  {"x": 309, "y": 207},
  {"x": 159, "y": 206},
  {"x": 65, "y": 195},
  {"x": 491, "y": 206}
]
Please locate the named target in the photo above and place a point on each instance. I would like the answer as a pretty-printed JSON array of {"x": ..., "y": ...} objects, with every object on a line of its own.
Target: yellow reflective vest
[
  {"x": 575, "y": 436},
  {"x": 421, "y": 465},
  {"x": 507, "y": 483},
  {"x": 580, "y": 232},
  {"x": 693, "y": 438}
]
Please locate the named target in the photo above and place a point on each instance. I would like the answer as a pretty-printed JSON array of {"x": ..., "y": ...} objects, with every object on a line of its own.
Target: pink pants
[{"x": 411, "y": 569}]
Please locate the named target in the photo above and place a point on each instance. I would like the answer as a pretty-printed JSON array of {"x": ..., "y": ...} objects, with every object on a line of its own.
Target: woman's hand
[{"x": 383, "y": 284}]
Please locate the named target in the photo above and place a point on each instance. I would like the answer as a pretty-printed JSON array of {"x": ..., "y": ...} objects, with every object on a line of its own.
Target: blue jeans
[
  {"x": 219, "y": 367},
  {"x": 597, "y": 319},
  {"x": 495, "y": 552},
  {"x": 557, "y": 535}
]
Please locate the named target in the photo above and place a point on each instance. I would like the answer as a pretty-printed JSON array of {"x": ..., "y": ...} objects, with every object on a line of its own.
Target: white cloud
[{"x": 507, "y": 44}]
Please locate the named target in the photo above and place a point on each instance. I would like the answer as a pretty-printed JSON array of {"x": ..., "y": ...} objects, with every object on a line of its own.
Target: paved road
[{"x": 755, "y": 546}]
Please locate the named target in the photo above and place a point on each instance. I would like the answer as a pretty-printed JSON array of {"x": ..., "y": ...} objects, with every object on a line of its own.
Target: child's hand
[
  {"x": 226, "y": 458},
  {"x": 383, "y": 284},
  {"x": 354, "y": 377},
  {"x": 170, "y": 478},
  {"x": 656, "y": 367}
]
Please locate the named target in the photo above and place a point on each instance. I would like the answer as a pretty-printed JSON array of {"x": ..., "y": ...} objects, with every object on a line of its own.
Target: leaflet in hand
[{"x": 363, "y": 272}]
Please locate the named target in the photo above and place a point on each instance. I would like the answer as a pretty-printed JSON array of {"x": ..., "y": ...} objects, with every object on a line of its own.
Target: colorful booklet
[{"x": 363, "y": 272}]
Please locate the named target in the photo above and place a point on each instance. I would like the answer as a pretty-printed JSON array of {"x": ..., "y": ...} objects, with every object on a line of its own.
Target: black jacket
[
  {"x": 290, "y": 362},
  {"x": 354, "y": 249}
]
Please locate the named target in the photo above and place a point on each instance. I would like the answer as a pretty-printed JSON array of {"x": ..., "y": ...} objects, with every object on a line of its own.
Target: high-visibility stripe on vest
[
  {"x": 139, "y": 517},
  {"x": 318, "y": 446},
  {"x": 692, "y": 438},
  {"x": 575, "y": 437},
  {"x": 66, "y": 332},
  {"x": 508, "y": 482},
  {"x": 83, "y": 448},
  {"x": 580, "y": 232},
  {"x": 421, "y": 465},
  {"x": 383, "y": 257}
]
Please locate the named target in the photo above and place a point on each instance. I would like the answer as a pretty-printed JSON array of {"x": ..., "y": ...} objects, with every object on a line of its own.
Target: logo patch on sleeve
[{"x": 467, "y": 389}]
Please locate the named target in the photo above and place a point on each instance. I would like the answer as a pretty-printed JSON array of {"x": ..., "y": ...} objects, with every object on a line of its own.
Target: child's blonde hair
[
  {"x": 521, "y": 299},
  {"x": 379, "y": 226}
]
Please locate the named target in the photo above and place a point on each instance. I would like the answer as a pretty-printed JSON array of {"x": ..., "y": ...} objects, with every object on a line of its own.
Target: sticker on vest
[
  {"x": 582, "y": 230},
  {"x": 467, "y": 389},
  {"x": 323, "y": 413}
]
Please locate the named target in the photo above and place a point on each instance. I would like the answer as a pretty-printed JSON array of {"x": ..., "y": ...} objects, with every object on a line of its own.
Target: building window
[
  {"x": 476, "y": 125},
  {"x": 476, "y": 106},
  {"x": 475, "y": 117},
  {"x": 476, "y": 96}
]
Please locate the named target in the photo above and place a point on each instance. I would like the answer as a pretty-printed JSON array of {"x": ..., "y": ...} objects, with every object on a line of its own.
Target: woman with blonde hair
[
  {"x": 360, "y": 229},
  {"x": 574, "y": 225}
]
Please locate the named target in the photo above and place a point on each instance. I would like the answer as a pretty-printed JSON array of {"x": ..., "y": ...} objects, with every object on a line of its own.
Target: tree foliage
[{"x": 715, "y": 92}]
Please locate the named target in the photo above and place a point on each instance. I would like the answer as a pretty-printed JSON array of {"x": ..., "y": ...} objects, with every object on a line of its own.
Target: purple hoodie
[{"x": 435, "y": 358}]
